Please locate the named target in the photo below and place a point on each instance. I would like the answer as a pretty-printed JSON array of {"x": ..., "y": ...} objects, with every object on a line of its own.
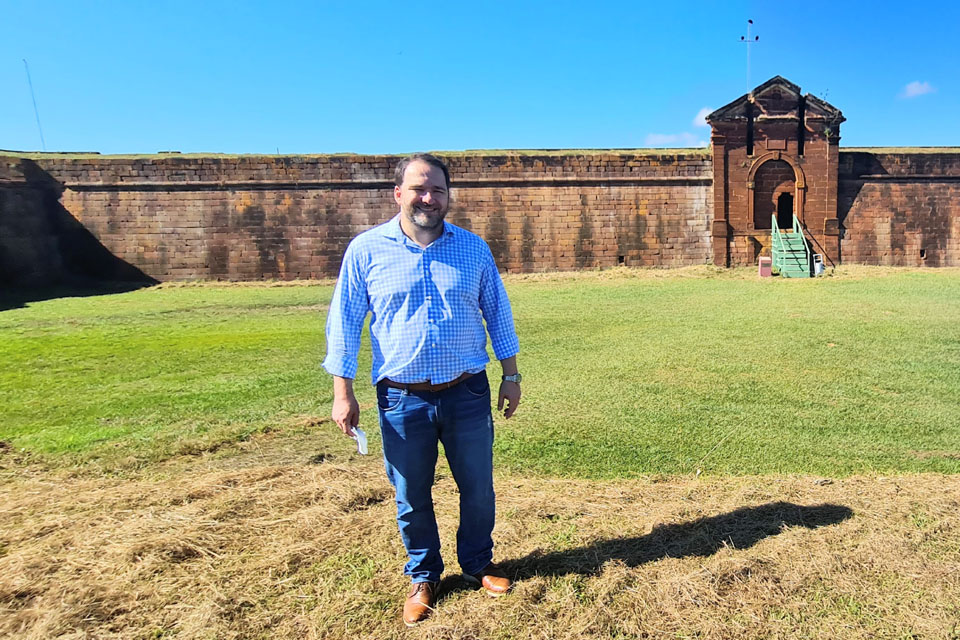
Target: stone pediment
[
  {"x": 817, "y": 108},
  {"x": 776, "y": 99}
]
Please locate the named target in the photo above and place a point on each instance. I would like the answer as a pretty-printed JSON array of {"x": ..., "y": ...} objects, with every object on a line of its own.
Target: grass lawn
[
  {"x": 168, "y": 470},
  {"x": 626, "y": 373}
]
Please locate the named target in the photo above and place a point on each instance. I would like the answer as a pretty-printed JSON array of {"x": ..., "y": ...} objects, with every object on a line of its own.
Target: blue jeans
[{"x": 411, "y": 423}]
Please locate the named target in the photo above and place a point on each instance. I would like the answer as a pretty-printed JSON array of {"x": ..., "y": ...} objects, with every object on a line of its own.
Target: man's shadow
[{"x": 739, "y": 529}]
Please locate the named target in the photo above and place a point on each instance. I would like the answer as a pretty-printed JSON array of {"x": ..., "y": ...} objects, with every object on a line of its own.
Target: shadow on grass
[
  {"x": 19, "y": 297},
  {"x": 740, "y": 529}
]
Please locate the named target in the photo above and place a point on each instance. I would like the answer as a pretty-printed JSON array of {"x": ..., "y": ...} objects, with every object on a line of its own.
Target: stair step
[{"x": 791, "y": 253}]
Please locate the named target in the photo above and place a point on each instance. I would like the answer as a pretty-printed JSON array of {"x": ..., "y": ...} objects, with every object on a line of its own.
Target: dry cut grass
[{"x": 284, "y": 541}]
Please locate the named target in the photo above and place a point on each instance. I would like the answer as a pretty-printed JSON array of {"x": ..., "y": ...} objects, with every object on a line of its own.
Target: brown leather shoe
[
  {"x": 492, "y": 578},
  {"x": 419, "y": 603}
]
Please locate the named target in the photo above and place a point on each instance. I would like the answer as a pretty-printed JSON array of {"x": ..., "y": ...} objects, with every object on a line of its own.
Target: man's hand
[
  {"x": 346, "y": 409},
  {"x": 509, "y": 395}
]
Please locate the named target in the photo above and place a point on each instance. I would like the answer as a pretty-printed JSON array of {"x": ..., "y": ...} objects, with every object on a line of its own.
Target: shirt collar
[{"x": 392, "y": 230}]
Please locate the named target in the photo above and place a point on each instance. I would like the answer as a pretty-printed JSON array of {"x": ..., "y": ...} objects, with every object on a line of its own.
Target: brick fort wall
[
  {"x": 172, "y": 217},
  {"x": 900, "y": 208}
]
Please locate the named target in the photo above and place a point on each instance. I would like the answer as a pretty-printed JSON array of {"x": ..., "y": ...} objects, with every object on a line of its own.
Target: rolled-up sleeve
[
  {"x": 495, "y": 307},
  {"x": 348, "y": 309}
]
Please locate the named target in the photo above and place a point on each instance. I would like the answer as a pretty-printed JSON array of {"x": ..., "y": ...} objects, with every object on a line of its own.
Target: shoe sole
[
  {"x": 473, "y": 582},
  {"x": 421, "y": 620}
]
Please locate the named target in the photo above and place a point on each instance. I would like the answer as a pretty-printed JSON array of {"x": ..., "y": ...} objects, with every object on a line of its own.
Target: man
[{"x": 428, "y": 286}]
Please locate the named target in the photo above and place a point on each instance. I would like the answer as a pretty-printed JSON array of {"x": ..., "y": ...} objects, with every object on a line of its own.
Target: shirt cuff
[
  {"x": 340, "y": 365},
  {"x": 507, "y": 349}
]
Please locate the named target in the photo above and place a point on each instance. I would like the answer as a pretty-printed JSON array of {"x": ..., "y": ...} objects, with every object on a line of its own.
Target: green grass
[
  {"x": 829, "y": 376},
  {"x": 159, "y": 371},
  {"x": 626, "y": 373}
]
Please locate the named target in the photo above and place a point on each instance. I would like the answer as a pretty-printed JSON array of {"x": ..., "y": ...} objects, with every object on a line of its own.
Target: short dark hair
[{"x": 430, "y": 159}]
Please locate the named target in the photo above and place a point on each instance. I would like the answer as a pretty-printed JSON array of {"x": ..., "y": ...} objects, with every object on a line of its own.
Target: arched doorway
[
  {"x": 774, "y": 188},
  {"x": 785, "y": 210}
]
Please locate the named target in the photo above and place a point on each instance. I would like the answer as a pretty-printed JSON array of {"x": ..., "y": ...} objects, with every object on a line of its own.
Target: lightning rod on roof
[{"x": 746, "y": 40}]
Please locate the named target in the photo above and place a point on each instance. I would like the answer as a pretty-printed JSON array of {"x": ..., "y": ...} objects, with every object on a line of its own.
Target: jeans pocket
[
  {"x": 388, "y": 398},
  {"x": 477, "y": 385}
]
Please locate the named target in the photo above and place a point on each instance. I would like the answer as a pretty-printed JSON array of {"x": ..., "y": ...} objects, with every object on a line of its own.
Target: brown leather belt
[{"x": 425, "y": 386}]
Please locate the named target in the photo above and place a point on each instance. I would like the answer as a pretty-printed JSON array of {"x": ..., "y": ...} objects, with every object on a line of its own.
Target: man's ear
[{"x": 396, "y": 193}]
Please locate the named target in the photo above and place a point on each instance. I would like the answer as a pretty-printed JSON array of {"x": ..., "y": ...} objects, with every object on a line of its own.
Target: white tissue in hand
[{"x": 361, "y": 439}]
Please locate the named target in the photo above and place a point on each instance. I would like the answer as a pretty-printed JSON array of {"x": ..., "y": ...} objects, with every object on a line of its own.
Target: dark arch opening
[{"x": 785, "y": 211}]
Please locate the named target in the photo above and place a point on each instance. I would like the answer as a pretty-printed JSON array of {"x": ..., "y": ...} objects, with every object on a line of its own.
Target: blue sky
[{"x": 395, "y": 77}]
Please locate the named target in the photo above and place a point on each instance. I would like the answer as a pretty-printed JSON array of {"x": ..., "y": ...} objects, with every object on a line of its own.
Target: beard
[{"x": 424, "y": 217}]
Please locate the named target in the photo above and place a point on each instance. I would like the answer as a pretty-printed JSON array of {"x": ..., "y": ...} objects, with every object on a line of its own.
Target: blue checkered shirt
[{"x": 427, "y": 306}]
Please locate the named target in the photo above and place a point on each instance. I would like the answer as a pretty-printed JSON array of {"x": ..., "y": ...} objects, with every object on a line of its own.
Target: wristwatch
[{"x": 514, "y": 378}]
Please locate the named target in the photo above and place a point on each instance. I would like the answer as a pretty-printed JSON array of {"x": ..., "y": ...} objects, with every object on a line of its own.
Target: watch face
[{"x": 514, "y": 378}]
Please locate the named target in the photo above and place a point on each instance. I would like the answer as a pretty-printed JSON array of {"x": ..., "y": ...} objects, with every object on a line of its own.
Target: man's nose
[{"x": 427, "y": 197}]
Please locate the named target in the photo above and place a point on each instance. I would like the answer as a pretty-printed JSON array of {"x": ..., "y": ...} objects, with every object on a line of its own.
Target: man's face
[{"x": 423, "y": 196}]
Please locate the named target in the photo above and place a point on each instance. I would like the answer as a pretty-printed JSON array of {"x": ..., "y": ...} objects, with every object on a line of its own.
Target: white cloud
[
  {"x": 684, "y": 139},
  {"x": 916, "y": 88},
  {"x": 700, "y": 120}
]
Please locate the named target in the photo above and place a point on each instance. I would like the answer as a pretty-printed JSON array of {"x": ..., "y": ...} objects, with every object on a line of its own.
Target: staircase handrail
[
  {"x": 798, "y": 229},
  {"x": 812, "y": 239},
  {"x": 776, "y": 244}
]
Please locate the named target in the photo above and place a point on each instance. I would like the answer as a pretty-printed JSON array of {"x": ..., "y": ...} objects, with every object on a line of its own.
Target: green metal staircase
[{"x": 789, "y": 250}]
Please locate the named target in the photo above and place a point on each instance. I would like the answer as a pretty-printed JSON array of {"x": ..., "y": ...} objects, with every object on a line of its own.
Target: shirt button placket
[{"x": 428, "y": 303}]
